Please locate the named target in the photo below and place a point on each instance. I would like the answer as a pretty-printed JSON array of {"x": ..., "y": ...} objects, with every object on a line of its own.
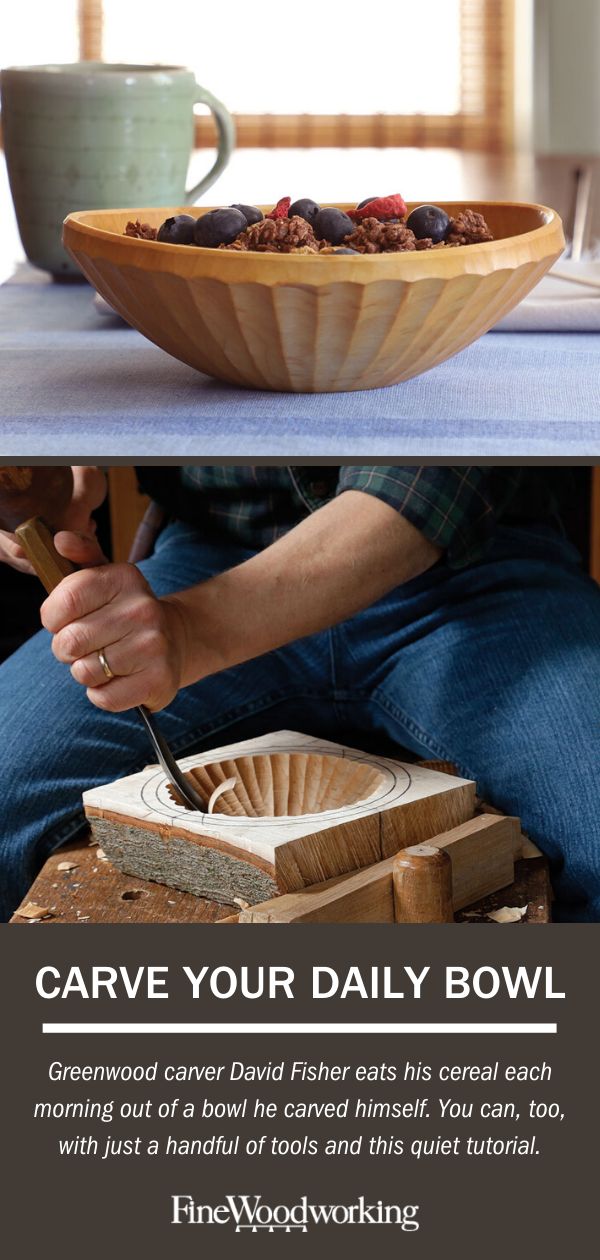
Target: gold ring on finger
[{"x": 105, "y": 665}]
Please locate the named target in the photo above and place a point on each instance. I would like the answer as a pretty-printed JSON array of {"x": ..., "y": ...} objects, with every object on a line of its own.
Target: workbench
[{"x": 95, "y": 892}]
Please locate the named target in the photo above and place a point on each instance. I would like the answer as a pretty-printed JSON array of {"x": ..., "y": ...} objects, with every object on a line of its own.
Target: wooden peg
[
  {"x": 38, "y": 545},
  {"x": 422, "y": 880}
]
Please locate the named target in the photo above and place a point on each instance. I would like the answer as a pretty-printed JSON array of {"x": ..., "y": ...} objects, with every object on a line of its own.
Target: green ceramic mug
[{"x": 91, "y": 135}]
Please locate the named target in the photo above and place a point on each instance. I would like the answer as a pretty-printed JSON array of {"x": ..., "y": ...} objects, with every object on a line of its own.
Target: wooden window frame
[
  {"x": 485, "y": 120},
  {"x": 90, "y": 29}
]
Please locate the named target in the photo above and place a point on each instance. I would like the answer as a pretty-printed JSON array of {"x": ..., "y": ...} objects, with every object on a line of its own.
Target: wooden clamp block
[
  {"x": 482, "y": 853},
  {"x": 525, "y": 848},
  {"x": 365, "y": 896},
  {"x": 303, "y": 811}
]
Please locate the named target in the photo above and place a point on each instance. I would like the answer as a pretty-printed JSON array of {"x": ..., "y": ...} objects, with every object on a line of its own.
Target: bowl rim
[{"x": 537, "y": 243}]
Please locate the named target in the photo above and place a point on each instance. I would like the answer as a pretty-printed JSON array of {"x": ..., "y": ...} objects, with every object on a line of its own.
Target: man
[{"x": 439, "y": 610}]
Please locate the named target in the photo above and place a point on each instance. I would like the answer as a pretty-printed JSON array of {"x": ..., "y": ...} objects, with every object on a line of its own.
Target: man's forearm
[{"x": 339, "y": 560}]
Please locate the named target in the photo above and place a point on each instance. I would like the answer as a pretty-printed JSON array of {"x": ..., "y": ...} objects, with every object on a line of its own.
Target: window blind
[
  {"x": 90, "y": 30},
  {"x": 484, "y": 120}
]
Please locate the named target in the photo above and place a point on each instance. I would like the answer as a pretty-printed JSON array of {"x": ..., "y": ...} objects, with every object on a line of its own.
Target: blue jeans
[{"x": 494, "y": 667}]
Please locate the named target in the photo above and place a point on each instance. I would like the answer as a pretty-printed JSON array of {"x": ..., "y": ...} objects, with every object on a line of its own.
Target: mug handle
[{"x": 226, "y": 130}]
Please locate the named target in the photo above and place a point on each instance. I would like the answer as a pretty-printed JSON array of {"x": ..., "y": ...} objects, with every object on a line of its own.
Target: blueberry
[
  {"x": 179, "y": 230},
  {"x": 366, "y": 202},
  {"x": 429, "y": 221},
  {"x": 332, "y": 225},
  {"x": 252, "y": 214},
  {"x": 306, "y": 209},
  {"x": 219, "y": 227},
  {"x": 346, "y": 251}
]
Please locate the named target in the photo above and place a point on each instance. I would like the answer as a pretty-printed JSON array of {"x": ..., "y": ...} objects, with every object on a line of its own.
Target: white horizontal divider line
[{"x": 238, "y": 1029}]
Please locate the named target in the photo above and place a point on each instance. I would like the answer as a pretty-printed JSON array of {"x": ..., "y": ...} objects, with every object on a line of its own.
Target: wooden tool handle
[
  {"x": 422, "y": 879},
  {"x": 38, "y": 544}
]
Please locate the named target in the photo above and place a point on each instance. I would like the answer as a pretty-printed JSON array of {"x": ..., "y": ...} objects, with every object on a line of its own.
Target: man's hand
[
  {"x": 78, "y": 543},
  {"x": 330, "y": 566},
  {"x": 112, "y": 609}
]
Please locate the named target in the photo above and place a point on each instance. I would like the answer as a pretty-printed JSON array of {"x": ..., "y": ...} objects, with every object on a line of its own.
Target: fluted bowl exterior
[{"x": 310, "y": 323}]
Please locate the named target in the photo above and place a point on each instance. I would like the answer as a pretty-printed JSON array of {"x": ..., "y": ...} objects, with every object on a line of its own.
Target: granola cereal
[
  {"x": 277, "y": 236},
  {"x": 141, "y": 230},
  {"x": 468, "y": 228},
  {"x": 373, "y": 237},
  {"x": 381, "y": 225}
]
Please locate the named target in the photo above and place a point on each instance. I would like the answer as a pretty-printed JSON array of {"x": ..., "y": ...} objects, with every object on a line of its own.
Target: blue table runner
[{"x": 76, "y": 383}]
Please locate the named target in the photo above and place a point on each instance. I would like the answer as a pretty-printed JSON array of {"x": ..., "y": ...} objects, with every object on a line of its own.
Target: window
[
  {"x": 295, "y": 58},
  {"x": 328, "y": 74},
  {"x": 39, "y": 32}
]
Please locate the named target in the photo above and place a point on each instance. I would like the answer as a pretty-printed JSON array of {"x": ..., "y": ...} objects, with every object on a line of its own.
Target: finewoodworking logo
[{"x": 249, "y": 1212}]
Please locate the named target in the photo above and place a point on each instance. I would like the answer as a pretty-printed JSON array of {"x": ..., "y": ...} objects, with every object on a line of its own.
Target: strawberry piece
[
  {"x": 382, "y": 208},
  {"x": 281, "y": 209}
]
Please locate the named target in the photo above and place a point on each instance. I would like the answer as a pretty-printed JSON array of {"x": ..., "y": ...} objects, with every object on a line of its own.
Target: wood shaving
[
  {"x": 101, "y": 855},
  {"x": 219, "y": 790},
  {"x": 239, "y": 901},
  {"x": 508, "y": 914},
  {"x": 33, "y": 911},
  {"x": 528, "y": 848},
  {"x": 67, "y": 866}
]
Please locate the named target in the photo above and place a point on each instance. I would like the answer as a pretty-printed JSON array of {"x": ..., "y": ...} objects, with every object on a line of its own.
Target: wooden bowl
[
  {"x": 285, "y": 784},
  {"x": 305, "y": 323}
]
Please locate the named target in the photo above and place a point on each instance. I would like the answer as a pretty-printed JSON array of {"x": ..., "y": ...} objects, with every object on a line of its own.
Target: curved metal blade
[{"x": 168, "y": 762}]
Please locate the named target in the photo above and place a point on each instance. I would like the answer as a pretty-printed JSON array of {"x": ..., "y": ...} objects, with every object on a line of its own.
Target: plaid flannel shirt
[{"x": 456, "y": 507}]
